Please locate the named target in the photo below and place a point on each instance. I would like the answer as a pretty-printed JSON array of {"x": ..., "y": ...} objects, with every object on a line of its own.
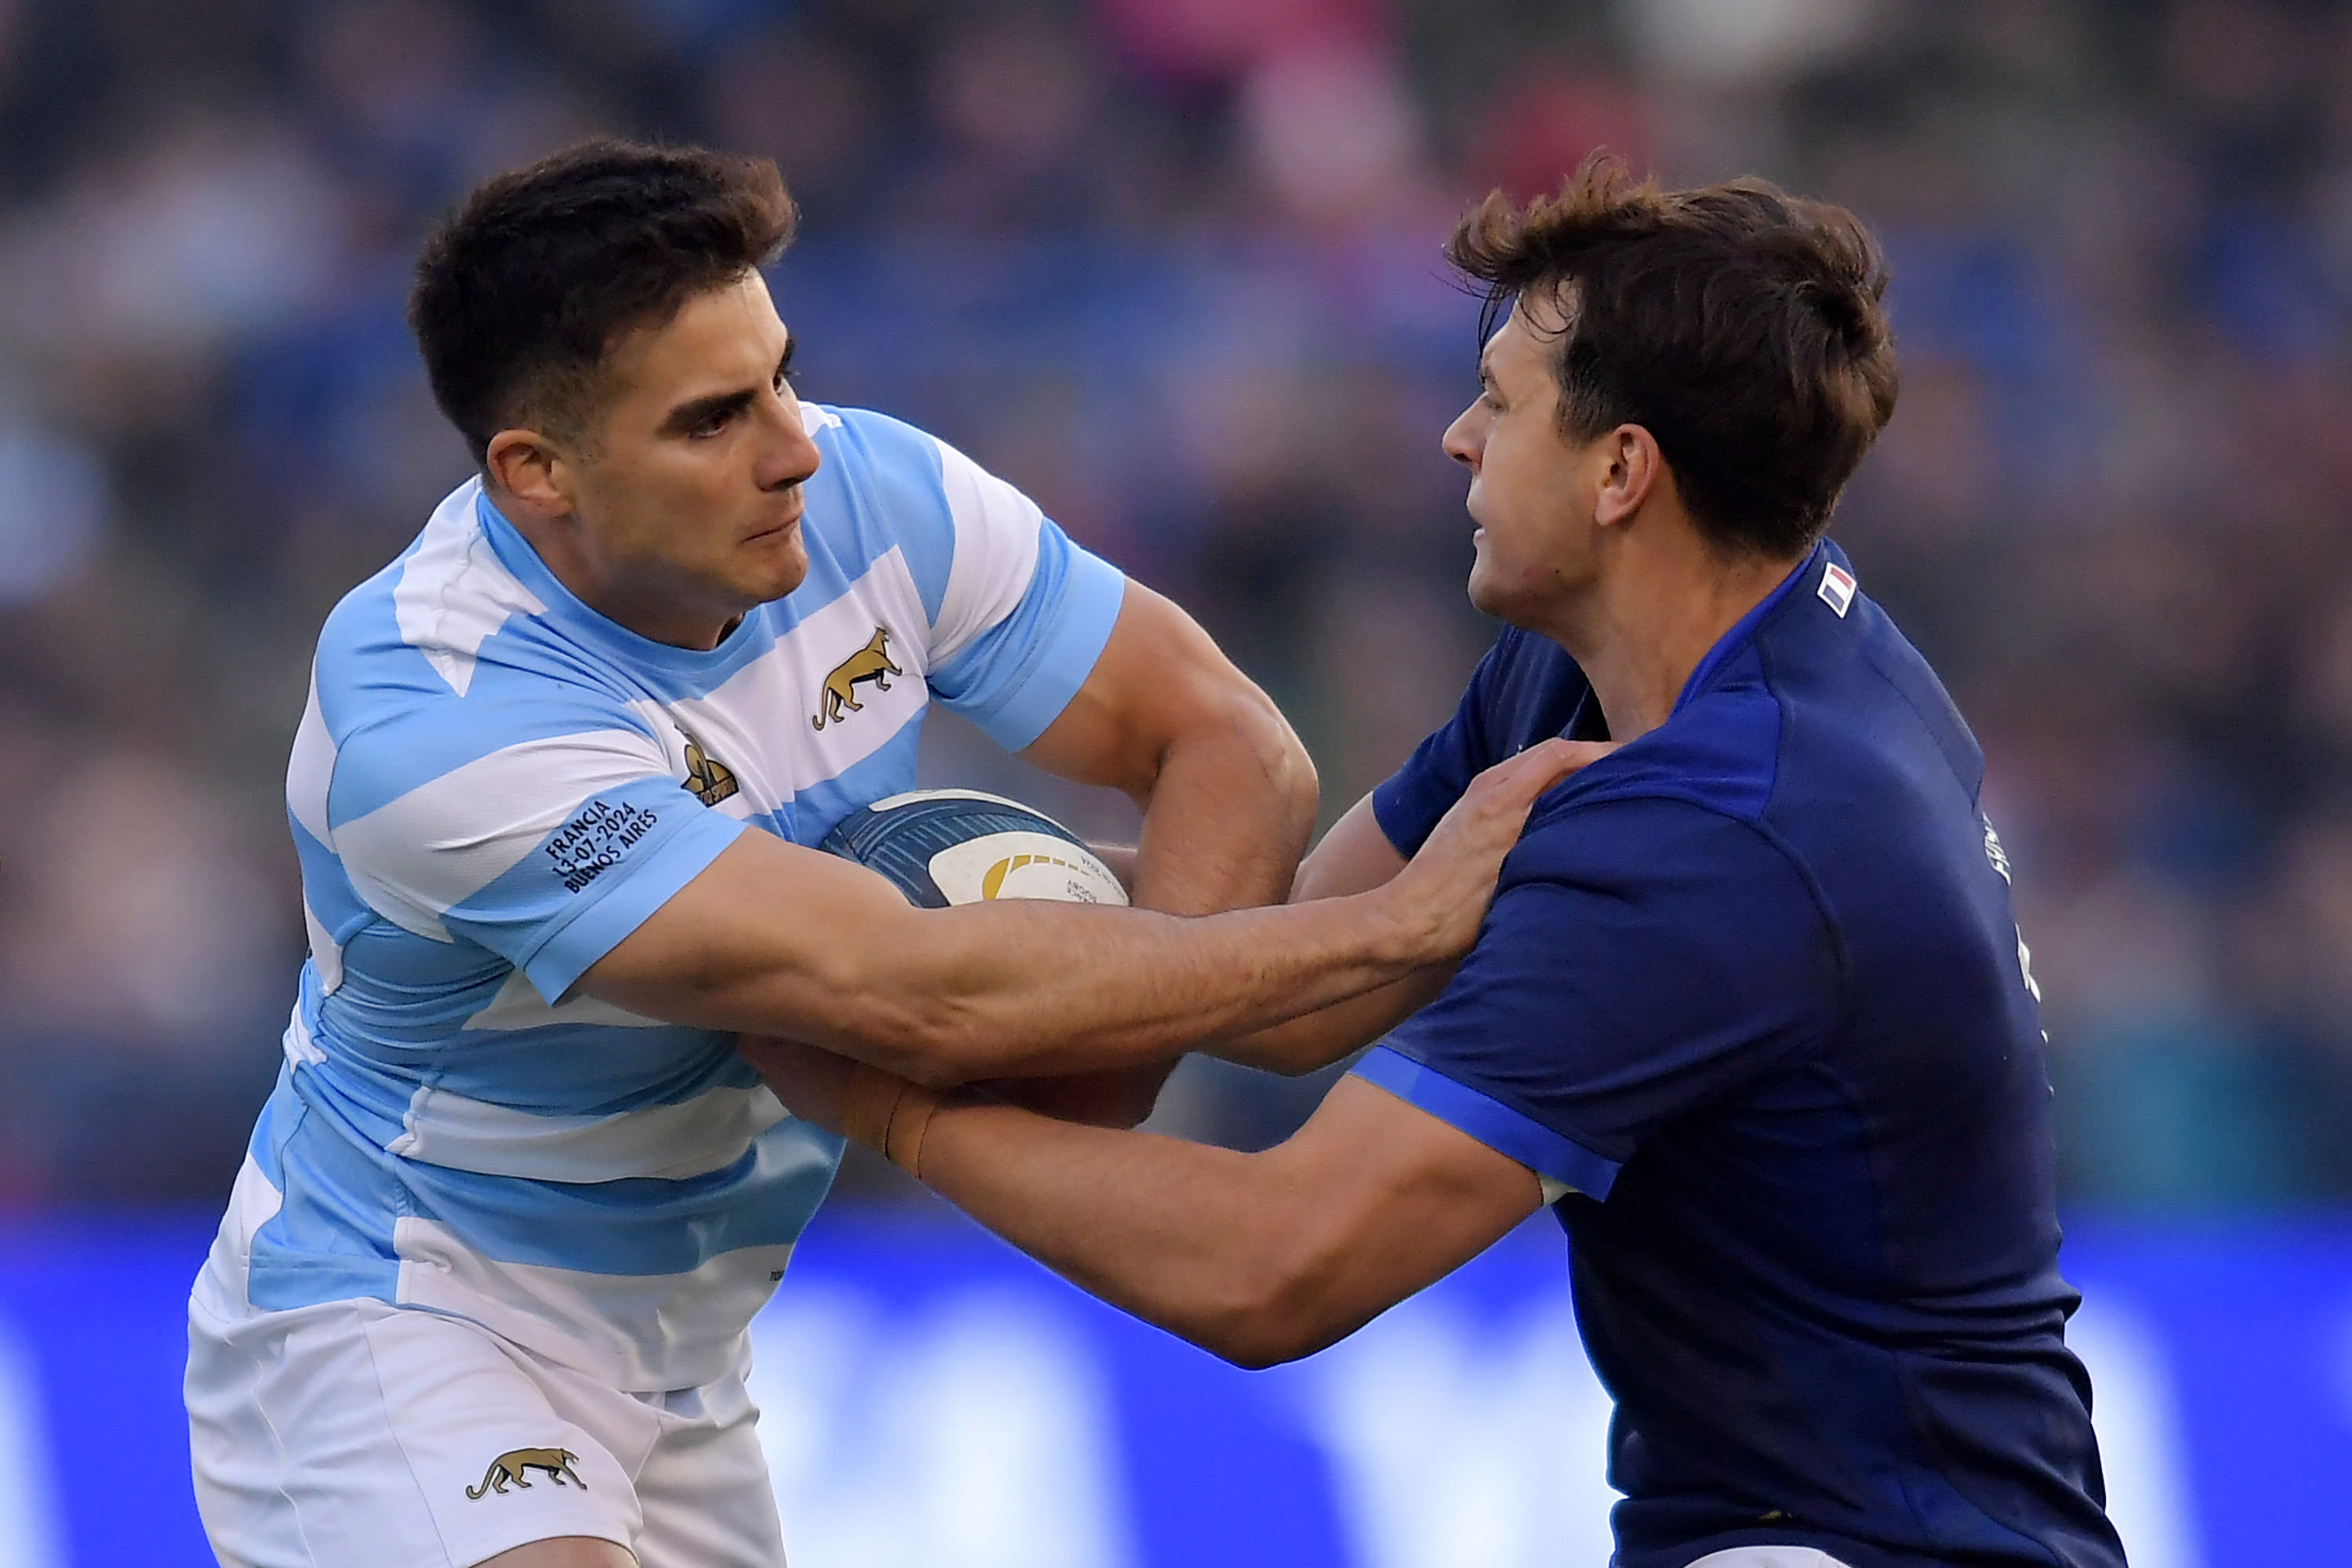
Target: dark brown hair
[
  {"x": 1741, "y": 326},
  {"x": 520, "y": 292}
]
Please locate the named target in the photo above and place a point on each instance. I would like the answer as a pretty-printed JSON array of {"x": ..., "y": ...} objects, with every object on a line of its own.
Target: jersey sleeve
[
  {"x": 1018, "y": 612},
  {"x": 1409, "y": 803},
  {"x": 1644, "y": 959},
  {"x": 1025, "y": 612},
  {"x": 546, "y": 851}
]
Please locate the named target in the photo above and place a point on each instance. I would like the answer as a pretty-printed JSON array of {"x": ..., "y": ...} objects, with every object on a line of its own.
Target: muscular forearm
[
  {"x": 1316, "y": 1041},
  {"x": 1194, "y": 1240},
  {"x": 1258, "y": 1257},
  {"x": 1014, "y": 987},
  {"x": 1226, "y": 814},
  {"x": 1058, "y": 989}
]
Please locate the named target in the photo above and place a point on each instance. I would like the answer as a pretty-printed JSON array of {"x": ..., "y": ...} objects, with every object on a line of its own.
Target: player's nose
[
  {"x": 1462, "y": 441},
  {"x": 789, "y": 454}
]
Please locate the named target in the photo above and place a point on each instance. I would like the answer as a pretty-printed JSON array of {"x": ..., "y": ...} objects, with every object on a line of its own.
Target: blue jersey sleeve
[{"x": 1643, "y": 958}]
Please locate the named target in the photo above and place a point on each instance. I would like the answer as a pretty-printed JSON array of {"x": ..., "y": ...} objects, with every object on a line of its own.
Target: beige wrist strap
[
  {"x": 889, "y": 1115},
  {"x": 902, "y": 1136},
  {"x": 867, "y": 1103}
]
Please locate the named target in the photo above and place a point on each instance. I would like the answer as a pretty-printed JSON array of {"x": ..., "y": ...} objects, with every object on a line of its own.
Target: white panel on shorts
[
  {"x": 620, "y": 1327},
  {"x": 996, "y": 530},
  {"x": 1767, "y": 1557},
  {"x": 453, "y": 592},
  {"x": 691, "y": 1138},
  {"x": 415, "y": 858},
  {"x": 252, "y": 1204}
]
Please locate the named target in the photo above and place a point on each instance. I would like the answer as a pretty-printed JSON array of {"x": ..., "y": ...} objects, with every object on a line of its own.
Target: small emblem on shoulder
[
  {"x": 1837, "y": 588},
  {"x": 709, "y": 780},
  {"x": 870, "y": 663},
  {"x": 508, "y": 1468}
]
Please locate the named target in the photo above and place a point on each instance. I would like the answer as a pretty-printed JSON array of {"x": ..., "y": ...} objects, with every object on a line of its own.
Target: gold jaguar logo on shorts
[
  {"x": 872, "y": 663},
  {"x": 508, "y": 1467},
  {"x": 711, "y": 780}
]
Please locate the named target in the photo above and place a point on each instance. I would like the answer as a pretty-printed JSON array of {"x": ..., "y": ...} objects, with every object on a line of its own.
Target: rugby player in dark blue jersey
[{"x": 1749, "y": 1013}]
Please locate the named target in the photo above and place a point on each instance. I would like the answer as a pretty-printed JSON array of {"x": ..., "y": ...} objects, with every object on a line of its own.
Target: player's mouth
[{"x": 792, "y": 519}]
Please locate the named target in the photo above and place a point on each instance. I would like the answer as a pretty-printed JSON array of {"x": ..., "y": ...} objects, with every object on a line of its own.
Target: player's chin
[
  {"x": 774, "y": 564},
  {"x": 1486, "y": 594}
]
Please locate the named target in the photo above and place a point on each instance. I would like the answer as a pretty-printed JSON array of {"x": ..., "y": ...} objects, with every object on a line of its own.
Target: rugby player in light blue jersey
[
  {"x": 1750, "y": 1013},
  {"x": 482, "y": 1289}
]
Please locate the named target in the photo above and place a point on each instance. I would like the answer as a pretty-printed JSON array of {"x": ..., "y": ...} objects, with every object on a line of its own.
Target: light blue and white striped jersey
[{"x": 491, "y": 788}]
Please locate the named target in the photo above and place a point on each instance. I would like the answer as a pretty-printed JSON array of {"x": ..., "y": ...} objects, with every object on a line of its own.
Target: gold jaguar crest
[
  {"x": 872, "y": 663},
  {"x": 711, "y": 780},
  {"x": 508, "y": 1468}
]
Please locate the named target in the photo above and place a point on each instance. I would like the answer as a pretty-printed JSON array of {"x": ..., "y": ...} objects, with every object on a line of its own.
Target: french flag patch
[{"x": 1837, "y": 588}]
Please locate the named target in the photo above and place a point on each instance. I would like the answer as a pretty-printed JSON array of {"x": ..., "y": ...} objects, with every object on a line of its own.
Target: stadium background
[{"x": 1171, "y": 266}]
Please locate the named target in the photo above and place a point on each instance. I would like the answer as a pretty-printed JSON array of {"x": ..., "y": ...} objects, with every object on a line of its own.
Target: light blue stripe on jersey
[
  {"x": 896, "y": 469},
  {"x": 325, "y": 889},
  {"x": 822, "y": 805},
  {"x": 571, "y": 947}
]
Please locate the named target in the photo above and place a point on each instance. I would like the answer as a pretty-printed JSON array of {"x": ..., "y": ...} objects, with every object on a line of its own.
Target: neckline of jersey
[
  {"x": 518, "y": 556},
  {"x": 1743, "y": 630}
]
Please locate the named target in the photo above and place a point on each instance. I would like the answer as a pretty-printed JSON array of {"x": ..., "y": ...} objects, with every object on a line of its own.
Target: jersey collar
[
  {"x": 515, "y": 553},
  {"x": 1744, "y": 629}
]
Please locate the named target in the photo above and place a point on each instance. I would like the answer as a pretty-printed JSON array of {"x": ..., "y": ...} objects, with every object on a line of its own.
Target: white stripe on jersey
[
  {"x": 453, "y": 592},
  {"x": 996, "y": 530},
  {"x": 762, "y": 722},
  {"x": 415, "y": 858},
  {"x": 311, "y": 770},
  {"x": 692, "y": 1138}
]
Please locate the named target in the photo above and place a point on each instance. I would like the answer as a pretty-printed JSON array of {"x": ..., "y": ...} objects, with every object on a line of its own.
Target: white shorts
[
  {"x": 1767, "y": 1557},
  {"x": 357, "y": 1433}
]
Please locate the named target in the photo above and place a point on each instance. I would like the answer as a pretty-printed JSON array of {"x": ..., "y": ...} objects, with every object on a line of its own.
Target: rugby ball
[{"x": 944, "y": 846}]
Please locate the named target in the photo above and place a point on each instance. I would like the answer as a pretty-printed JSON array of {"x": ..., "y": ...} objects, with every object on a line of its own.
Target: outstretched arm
[
  {"x": 1258, "y": 1259},
  {"x": 771, "y": 939},
  {"x": 1355, "y": 857}
]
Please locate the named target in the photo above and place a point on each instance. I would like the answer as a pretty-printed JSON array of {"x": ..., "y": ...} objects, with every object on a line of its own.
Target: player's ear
[
  {"x": 1635, "y": 471},
  {"x": 532, "y": 469}
]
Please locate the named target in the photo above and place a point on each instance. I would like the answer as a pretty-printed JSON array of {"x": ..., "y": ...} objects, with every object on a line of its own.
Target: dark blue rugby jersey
[{"x": 1752, "y": 988}]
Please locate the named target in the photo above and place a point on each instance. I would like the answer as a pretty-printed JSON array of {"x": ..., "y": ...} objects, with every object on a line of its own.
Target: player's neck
[
  {"x": 628, "y": 600},
  {"x": 1651, "y": 615}
]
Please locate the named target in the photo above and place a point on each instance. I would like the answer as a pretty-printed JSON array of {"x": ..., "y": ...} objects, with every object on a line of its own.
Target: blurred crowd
[{"x": 1172, "y": 266}]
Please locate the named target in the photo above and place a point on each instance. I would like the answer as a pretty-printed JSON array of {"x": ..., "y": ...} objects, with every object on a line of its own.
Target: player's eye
[
  {"x": 710, "y": 425},
  {"x": 784, "y": 365}
]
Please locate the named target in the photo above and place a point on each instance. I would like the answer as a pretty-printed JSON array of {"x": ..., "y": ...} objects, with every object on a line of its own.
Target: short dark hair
[
  {"x": 1744, "y": 328},
  {"x": 522, "y": 292}
]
